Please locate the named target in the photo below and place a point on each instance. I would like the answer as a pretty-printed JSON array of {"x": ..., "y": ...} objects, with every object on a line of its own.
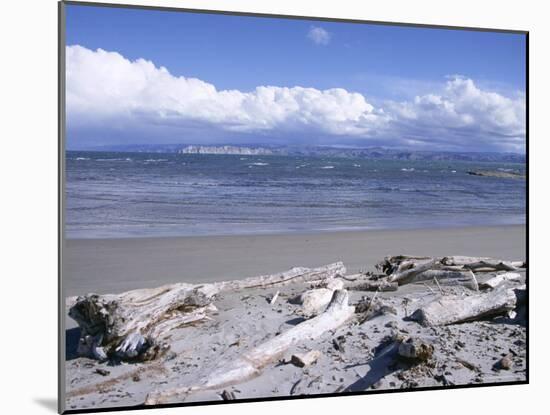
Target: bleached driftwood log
[
  {"x": 457, "y": 309},
  {"x": 400, "y": 263},
  {"x": 315, "y": 300},
  {"x": 375, "y": 285},
  {"x": 499, "y": 279},
  {"x": 251, "y": 363},
  {"x": 406, "y": 276},
  {"x": 298, "y": 274},
  {"x": 482, "y": 263},
  {"x": 463, "y": 278},
  {"x": 133, "y": 324}
]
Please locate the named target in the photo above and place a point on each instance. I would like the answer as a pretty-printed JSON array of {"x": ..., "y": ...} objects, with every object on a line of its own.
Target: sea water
[{"x": 111, "y": 194}]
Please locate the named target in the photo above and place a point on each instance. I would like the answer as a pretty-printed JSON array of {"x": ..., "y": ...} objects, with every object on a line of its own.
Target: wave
[
  {"x": 327, "y": 167},
  {"x": 115, "y": 159},
  {"x": 82, "y": 158},
  {"x": 155, "y": 160},
  {"x": 408, "y": 170},
  {"x": 259, "y": 164}
]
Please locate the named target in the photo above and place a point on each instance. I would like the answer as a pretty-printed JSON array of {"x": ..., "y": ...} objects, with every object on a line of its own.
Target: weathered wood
[
  {"x": 463, "y": 278},
  {"x": 251, "y": 363},
  {"x": 390, "y": 264},
  {"x": 499, "y": 279},
  {"x": 482, "y": 263},
  {"x": 457, "y": 309},
  {"x": 132, "y": 325},
  {"x": 128, "y": 325},
  {"x": 378, "y": 285},
  {"x": 295, "y": 275},
  {"x": 408, "y": 275},
  {"x": 315, "y": 300},
  {"x": 274, "y": 298}
]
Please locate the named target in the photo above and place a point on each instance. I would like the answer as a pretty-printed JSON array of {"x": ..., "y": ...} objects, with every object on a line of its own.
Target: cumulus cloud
[
  {"x": 318, "y": 35},
  {"x": 104, "y": 85},
  {"x": 105, "y": 91},
  {"x": 463, "y": 113}
]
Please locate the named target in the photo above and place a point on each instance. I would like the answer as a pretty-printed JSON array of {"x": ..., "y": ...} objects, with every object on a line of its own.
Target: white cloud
[
  {"x": 105, "y": 86},
  {"x": 319, "y": 35},
  {"x": 105, "y": 91},
  {"x": 464, "y": 114}
]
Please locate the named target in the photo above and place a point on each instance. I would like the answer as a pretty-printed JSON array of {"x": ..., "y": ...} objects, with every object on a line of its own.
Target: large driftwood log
[
  {"x": 132, "y": 325},
  {"x": 457, "y": 309},
  {"x": 463, "y": 278},
  {"x": 482, "y": 263},
  {"x": 250, "y": 364},
  {"x": 376, "y": 285},
  {"x": 499, "y": 279},
  {"x": 400, "y": 263},
  {"x": 298, "y": 274},
  {"x": 406, "y": 276}
]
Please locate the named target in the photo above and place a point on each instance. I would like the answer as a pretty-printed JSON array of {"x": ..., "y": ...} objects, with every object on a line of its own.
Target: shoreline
[{"x": 121, "y": 264}]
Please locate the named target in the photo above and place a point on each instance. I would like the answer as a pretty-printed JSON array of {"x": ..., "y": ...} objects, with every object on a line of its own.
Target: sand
[
  {"x": 354, "y": 358},
  {"x": 117, "y": 265}
]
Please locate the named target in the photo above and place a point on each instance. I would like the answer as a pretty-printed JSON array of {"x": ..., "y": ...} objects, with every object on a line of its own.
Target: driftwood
[
  {"x": 251, "y": 363},
  {"x": 132, "y": 325},
  {"x": 378, "y": 285},
  {"x": 408, "y": 275},
  {"x": 315, "y": 300},
  {"x": 482, "y": 263},
  {"x": 298, "y": 274},
  {"x": 463, "y": 278},
  {"x": 457, "y": 309},
  {"x": 392, "y": 265},
  {"x": 499, "y": 279}
]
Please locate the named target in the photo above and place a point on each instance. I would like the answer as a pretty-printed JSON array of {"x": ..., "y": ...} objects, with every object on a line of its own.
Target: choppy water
[{"x": 139, "y": 194}]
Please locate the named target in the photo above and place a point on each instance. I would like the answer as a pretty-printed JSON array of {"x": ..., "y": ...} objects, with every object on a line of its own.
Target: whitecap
[
  {"x": 408, "y": 170},
  {"x": 259, "y": 164},
  {"x": 82, "y": 158},
  {"x": 327, "y": 167}
]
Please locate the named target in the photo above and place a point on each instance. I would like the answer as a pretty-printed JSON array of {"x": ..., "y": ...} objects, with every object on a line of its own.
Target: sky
[{"x": 160, "y": 77}]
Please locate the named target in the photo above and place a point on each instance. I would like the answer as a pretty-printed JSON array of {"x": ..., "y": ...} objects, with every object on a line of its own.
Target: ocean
[{"x": 120, "y": 195}]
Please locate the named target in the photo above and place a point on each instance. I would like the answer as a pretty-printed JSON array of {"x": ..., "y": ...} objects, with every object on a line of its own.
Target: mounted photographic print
[{"x": 259, "y": 207}]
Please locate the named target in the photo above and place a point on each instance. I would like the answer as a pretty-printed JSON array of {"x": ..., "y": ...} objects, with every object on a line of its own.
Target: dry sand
[
  {"x": 353, "y": 358},
  {"x": 117, "y": 265}
]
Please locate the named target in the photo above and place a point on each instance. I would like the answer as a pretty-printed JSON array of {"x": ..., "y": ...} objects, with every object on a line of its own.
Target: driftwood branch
[{"x": 251, "y": 363}]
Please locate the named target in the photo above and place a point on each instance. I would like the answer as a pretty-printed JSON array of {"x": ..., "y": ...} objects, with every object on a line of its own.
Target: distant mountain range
[{"x": 320, "y": 151}]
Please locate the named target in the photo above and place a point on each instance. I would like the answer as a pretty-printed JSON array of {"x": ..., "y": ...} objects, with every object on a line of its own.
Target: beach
[
  {"x": 117, "y": 265},
  {"x": 360, "y": 353}
]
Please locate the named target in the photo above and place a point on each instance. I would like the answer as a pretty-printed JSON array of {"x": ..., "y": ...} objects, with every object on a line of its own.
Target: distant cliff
[
  {"x": 374, "y": 153},
  {"x": 248, "y": 151}
]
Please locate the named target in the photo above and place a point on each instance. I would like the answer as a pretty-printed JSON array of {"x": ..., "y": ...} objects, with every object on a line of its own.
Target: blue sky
[{"x": 404, "y": 86}]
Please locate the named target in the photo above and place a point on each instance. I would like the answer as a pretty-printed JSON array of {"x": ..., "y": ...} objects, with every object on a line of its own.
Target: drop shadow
[
  {"x": 47, "y": 403},
  {"x": 380, "y": 366}
]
